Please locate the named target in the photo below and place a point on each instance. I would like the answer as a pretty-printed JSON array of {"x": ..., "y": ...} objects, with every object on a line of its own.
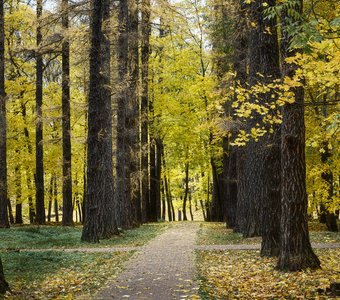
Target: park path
[{"x": 162, "y": 270}]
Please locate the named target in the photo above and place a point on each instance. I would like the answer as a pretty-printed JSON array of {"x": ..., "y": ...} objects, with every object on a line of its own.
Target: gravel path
[{"x": 162, "y": 270}]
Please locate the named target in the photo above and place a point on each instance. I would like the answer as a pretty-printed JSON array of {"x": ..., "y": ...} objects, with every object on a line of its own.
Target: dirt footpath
[{"x": 163, "y": 269}]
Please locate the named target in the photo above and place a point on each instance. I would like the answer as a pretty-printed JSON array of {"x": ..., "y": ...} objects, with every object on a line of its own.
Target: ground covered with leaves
[
  {"x": 246, "y": 275},
  {"x": 217, "y": 234},
  {"x": 55, "y": 274},
  {"x": 59, "y": 275},
  {"x": 240, "y": 274}
]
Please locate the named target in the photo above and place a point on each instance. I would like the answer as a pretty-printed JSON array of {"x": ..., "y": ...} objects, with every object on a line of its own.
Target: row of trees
[
  {"x": 262, "y": 188},
  {"x": 155, "y": 118}
]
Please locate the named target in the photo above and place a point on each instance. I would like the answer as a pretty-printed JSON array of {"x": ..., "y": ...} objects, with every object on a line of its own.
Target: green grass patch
[
  {"x": 214, "y": 233},
  {"x": 46, "y": 237},
  {"x": 59, "y": 275},
  {"x": 217, "y": 234}
]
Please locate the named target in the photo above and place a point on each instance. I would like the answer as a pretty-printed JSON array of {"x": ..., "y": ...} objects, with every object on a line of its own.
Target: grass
[
  {"x": 44, "y": 237},
  {"x": 63, "y": 275},
  {"x": 218, "y": 234},
  {"x": 246, "y": 275},
  {"x": 59, "y": 275}
]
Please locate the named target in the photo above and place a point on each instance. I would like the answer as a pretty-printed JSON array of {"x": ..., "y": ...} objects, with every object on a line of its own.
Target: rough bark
[
  {"x": 145, "y": 51},
  {"x": 66, "y": 122},
  {"x": 295, "y": 249},
  {"x": 262, "y": 157},
  {"x": 4, "y": 287},
  {"x": 100, "y": 222},
  {"x": 122, "y": 191},
  {"x": 3, "y": 125},
  {"x": 39, "y": 175},
  {"x": 132, "y": 117}
]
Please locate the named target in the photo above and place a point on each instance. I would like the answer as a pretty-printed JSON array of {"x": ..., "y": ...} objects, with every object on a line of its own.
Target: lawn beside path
[{"x": 50, "y": 262}]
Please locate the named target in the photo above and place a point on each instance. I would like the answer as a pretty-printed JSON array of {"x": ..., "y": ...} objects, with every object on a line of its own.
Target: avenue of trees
[{"x": 118, "y": 113}]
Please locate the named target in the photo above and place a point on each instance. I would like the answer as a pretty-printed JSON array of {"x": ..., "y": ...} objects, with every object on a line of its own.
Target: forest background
[{"x": 179, "y": 109}]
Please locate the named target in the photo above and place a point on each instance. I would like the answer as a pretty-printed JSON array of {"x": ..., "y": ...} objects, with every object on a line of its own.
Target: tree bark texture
[
  {"x": 4, "y": 287},
  {"x": 100, "y": 220},
  {"x": 66, "y": 120},
  {"x": 3, "y": 125},
  {"x": 132, "y": 117},
  {"x": 39, "y": 173},
  {"x": 295, "y": 249},
  {"x": 262, "y": 158},
  {"x": 122, "y": 191},
  {"x": 145, "y": 53}
]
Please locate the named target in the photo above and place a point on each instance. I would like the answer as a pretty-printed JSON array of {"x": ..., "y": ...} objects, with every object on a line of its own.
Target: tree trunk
[
  {"x": 3, "y": 124},
  {"x": 158, "y": 174},
  {"x": 55, "y": 199},
  {"x": 100, "y": 221},
  {"x": 122, "y": 191},
  {"x": 18, "y": 200},
  {"x": 66, "y": 126},
  {"x": 4, "y": 287},
  {"x": 132, "y": 118},
  {"x": 10, "y": 212},
  {"x": 186, "y": 191},
  {"x": 39, "y": 175},
  {"x": 153, "y": 183},
  {"x": 295, "y": 249},
  {"x": 145, "y": 52}
]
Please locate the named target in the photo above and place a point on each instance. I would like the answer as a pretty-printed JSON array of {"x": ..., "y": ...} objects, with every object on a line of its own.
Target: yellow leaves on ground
[{"x": 246, "y": 275}]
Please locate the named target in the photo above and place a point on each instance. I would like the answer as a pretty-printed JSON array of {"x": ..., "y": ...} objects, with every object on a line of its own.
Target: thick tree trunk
[
  {"x": 66, "y": 122},
  {"x": 145, "y": 51},
  {"x": 132, "y": 117},
  {"x": 295, "y": 249},
  {"x": 39, "y": 175},
  {"x": 4, "y": 287},
  {"x": 100, "y": 222},
  {"x": 3, "y": 145},
  {"x": 122, "y": 191}
]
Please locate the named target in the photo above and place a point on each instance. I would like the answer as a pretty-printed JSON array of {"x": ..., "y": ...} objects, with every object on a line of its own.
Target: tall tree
[
  {"x": 3, "y": 145},
  {"x": 3, "y": 163},
  {"x": 132, "y": 120},
  {"x": 100, "y": 222},
  {"x": 66, "y": 126},
  {"x": 296, "y": 252},
  {"x": 122, "y": 191},
  {"x": 39, "y": 172},
  {"x": 145, "y": 51}
]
